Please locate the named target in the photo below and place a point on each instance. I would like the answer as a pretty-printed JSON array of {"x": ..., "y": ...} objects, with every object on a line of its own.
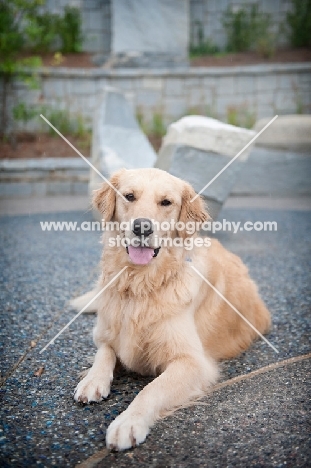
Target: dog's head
[{"x": 147, "y": 208}]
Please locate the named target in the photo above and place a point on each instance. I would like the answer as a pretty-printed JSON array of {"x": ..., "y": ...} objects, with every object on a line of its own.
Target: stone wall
[
  {"x": 97, "y": 19},
  {"x": 96, "y": 22},
  {"x": 208, "y": 14},
  {"x": 248, "y": 92},
  {"x": 41, "y": 177}
]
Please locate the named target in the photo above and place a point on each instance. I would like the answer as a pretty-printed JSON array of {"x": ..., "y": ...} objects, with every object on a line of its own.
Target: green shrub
[
  {"x": 70, "y": 30},
  {"x": 265, "y": 46},
  {"x": 299, "y": 23},
  {"x": 66, "y": 123},
  {"x": 201, "y": 45},
  {"x": 241, "y": 116},
  {"x": 248, "y": 29},
  {"x": 13, "y": 15},
  {"x": 158, "y": 127},
  {"x": 48, "y": 31},
  {"x": 42, "y": 32},
  {"x": 239, "y": 30},
  {"x": 24, "y": 112},
  {"x": 24, "y": 27}
]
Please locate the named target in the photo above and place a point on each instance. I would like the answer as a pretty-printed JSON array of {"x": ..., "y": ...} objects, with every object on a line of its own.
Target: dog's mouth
[{"x": 142, "y": 255}]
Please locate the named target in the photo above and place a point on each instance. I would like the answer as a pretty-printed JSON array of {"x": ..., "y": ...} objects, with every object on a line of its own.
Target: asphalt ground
[
  {"x": 260, "y": 420},
  {"x": 258, "y": 415}
]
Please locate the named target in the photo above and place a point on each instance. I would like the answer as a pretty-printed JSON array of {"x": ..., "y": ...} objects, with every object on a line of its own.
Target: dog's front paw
[
  {"x": 126, "y": 431},
  {"x": 92, "y": 388}
]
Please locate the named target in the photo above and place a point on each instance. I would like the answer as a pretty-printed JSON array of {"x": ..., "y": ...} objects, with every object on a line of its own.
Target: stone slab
[
  {"x": 45, "y": 164},
  {"x": 41, "y": 177},
  {"x": 43, "y": 204},
  {"x": 199, "y": 168},
  {"x": 148, "y": 33},
  {"x": 117, "y": 138},
  {"x": 286, "y": 132},
  {"x": 273, "y": 172}
]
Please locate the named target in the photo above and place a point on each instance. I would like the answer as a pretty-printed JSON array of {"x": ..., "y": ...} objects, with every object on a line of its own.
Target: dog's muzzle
[{"x": 142, "y": 254}]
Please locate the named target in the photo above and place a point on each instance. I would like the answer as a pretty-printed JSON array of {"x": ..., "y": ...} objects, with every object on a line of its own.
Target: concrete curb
[
  {"x": 41, "y": 177},
  {"x": 178, "y": 72}
]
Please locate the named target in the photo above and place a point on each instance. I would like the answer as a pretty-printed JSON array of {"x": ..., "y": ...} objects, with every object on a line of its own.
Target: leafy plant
[
  {"x": 141, "y": 120},
  {"x": 42, "y": 31},
  {"x": 13, "y": 15},
  {"x": 24, "y": 112},
  {"x": 240, "y": 116},
  {"x": 49, "y": 31},
  {"x": 246, "y": 29},
  {"x": 265, "y": 46},
  {"x": 70, "y": 30},
  {"x": 204, "y": 110},
  {"x": 24, "y": 27},
  {"x": 158, "y": 127},
  {"x": 299, "y": 23},
  {"x": 57, "y": 59},
  {"x": 202, "y": 46},
  {"x": 66, "y": 123}
]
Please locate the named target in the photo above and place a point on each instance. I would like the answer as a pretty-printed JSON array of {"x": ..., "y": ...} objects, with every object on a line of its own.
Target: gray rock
[
  {"x": 274, "y": 172},
  {"x": 287, "y": 132},
  {"x": 146, "y": 33},
  {"x": 197, "y": 148},
  {"x": 117, "y": 139}
]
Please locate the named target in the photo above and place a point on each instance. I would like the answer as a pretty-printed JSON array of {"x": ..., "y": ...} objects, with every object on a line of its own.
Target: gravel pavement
[{"x": 260, "y": 420}]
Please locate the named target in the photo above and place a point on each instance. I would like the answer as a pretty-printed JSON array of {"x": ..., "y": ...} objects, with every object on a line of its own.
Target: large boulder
[{"x": 197, "y": 148}]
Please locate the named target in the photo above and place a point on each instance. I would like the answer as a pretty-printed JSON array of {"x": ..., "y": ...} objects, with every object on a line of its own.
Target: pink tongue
[{"x": 140, "y": 255}]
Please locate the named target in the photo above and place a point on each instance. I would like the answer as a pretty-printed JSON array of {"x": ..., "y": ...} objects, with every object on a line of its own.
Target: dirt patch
[
  {"x": 80, "y": 60},
  {"x": 155, "y": 142},
  {"x": 84, "y": 59},
  {"x": 42, "y": 145},
  {"x": 252, "y": 58}
]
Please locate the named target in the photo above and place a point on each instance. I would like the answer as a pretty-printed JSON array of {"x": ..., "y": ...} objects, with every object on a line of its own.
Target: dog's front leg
[
  {"x": 96, "y": 384},
  {"x": 184, "y": 380}
]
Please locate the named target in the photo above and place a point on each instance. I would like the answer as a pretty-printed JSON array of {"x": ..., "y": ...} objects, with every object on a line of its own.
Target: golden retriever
[{"x": 159, "y": 316}]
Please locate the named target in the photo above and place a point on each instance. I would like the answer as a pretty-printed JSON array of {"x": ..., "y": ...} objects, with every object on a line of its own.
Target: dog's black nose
[{"x": 142, "y": 227}]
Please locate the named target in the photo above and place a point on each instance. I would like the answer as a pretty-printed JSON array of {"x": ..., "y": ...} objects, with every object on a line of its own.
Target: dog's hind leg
[{"x": 85, "y": 300}]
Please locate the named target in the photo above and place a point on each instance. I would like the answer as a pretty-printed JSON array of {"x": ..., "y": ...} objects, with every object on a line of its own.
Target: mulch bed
[
  {"x": 84, "y": 59},
  {"x": 252, "y": 58},
  {"x": 42, "y": 145}
]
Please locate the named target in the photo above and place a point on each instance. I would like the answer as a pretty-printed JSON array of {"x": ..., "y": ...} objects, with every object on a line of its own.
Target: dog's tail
[{"x": 91, "y": 306}]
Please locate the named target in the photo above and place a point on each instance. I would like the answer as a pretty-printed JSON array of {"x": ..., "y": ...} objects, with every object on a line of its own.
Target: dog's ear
[
  {"x": 104, "y": 199},
  {"x": 192, "y": 210}
]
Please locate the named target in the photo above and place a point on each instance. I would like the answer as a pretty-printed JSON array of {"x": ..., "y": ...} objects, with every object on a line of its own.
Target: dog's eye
[
  {"x": 130, "y": 197},
  {"x": 165, "y": 202}
]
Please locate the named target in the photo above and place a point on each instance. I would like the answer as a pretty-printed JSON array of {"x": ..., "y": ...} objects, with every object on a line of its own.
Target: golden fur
[{"x": 162, "y": 318}]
